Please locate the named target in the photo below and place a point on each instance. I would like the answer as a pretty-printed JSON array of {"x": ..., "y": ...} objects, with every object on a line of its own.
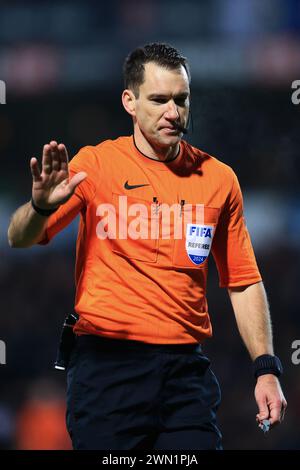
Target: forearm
[
  {"x": 26, "y": 227},
  {"x": 251, "y": 311}
]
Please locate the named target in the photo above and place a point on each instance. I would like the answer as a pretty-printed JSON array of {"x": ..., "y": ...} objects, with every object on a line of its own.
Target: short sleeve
[
  {"x": 84, "y": 160},
  {"x": 232, "y": 248}
]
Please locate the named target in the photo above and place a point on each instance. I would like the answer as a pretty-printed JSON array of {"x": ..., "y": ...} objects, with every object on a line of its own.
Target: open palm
[{"x": 51, "y": 186}]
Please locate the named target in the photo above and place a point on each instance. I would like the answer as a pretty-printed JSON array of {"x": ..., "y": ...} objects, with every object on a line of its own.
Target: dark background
[{"x": 61, "y": 63}]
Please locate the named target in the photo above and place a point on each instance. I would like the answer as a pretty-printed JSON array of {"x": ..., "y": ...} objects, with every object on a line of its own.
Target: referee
[{"x": 153, "y": 208}]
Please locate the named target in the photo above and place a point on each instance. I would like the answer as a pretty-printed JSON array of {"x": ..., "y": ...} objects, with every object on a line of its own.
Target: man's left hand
[{"x": 270, "y": 399}]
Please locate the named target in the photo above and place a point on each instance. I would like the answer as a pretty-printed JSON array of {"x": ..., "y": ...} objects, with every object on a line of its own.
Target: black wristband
[
  {"x": 267, "y": 364},
  {"x": 44, "y": 212}
]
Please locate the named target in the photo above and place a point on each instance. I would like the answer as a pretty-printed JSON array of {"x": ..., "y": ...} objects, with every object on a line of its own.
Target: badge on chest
[{"x": 198, "y": 242}]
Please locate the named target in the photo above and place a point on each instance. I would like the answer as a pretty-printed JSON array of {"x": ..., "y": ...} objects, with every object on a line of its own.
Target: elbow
[
  {"x": 15, "y": 243},
  {"x": 18, "y": 244},
  {"x": 11, "y": 241}
]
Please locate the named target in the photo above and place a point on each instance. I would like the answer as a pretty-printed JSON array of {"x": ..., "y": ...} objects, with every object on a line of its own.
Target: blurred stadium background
[{"x": 61, "y": 62}]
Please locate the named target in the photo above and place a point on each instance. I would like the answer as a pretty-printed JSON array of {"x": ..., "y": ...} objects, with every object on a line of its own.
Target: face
[{"x": 163, "y": 100}]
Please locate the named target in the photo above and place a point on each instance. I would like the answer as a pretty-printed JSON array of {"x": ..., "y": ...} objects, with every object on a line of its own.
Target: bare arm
[
  {"x": 26, "y": 227},
  {"x": 51, "y": 187},
  {"x": 251, "y": 311}
]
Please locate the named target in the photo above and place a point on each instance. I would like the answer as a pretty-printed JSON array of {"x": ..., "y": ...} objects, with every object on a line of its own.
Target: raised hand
[{"x": 51, "y": 186}]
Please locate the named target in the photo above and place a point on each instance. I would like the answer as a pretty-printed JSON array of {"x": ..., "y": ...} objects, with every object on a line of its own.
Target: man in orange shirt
[{"x": 152, "y": 208}]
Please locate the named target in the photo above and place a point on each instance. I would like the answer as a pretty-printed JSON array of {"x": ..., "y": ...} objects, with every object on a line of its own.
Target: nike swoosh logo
[{"x": 134, "y": 186}]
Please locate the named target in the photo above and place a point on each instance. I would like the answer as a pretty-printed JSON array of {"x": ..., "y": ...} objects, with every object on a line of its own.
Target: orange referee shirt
[{"x": 137, "y": 276}]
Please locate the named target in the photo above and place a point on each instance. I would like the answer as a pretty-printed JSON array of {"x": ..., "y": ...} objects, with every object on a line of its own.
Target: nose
[{"x": 172, "y": 111}]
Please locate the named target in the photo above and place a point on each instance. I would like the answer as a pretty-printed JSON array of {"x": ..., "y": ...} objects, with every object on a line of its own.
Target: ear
[{"x": 128, "y": 100}]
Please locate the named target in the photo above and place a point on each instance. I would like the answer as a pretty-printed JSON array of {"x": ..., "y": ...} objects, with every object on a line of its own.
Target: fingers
[
  {"x": 76, "y": 180},
  {"x": 55, "y": 158},
  {"x": 35, "y": 171},
  {"x": 283, "y": 409},
  {"x": 64, "y": 160},
  {"x": 55, "y": 154},
  {"x": 47, "y": 160},
  {"x": 263, "y": 410},
  {"x": 277, "y": 412},
  {"x": 270, "y": 401}
]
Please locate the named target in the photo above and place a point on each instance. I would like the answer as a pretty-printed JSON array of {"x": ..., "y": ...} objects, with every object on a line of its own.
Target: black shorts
[{"x": 125, "y": 394}]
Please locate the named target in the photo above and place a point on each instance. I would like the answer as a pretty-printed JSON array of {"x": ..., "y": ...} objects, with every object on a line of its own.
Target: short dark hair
[{"x": 160, "y": 53}]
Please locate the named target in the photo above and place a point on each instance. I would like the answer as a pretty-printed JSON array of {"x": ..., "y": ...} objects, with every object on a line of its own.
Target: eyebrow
[{"x": 161, "y": 95}]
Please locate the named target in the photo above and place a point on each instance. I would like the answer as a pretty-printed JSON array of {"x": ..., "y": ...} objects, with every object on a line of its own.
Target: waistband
[{"x": 101, "y": 342}]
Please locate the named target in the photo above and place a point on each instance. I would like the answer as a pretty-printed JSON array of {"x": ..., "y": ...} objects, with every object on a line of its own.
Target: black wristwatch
[
  {"x": 267, "y": 364},
  {"x": 44, "y": 212}
]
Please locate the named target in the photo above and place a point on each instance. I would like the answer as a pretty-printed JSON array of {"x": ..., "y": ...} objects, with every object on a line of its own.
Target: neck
[{"x": 152, "y": 151}]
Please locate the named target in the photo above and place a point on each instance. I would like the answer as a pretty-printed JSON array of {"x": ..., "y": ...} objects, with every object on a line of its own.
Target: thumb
[
  {"x": 263, "y": 410},
  {"x": 76, "y": 180}
]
